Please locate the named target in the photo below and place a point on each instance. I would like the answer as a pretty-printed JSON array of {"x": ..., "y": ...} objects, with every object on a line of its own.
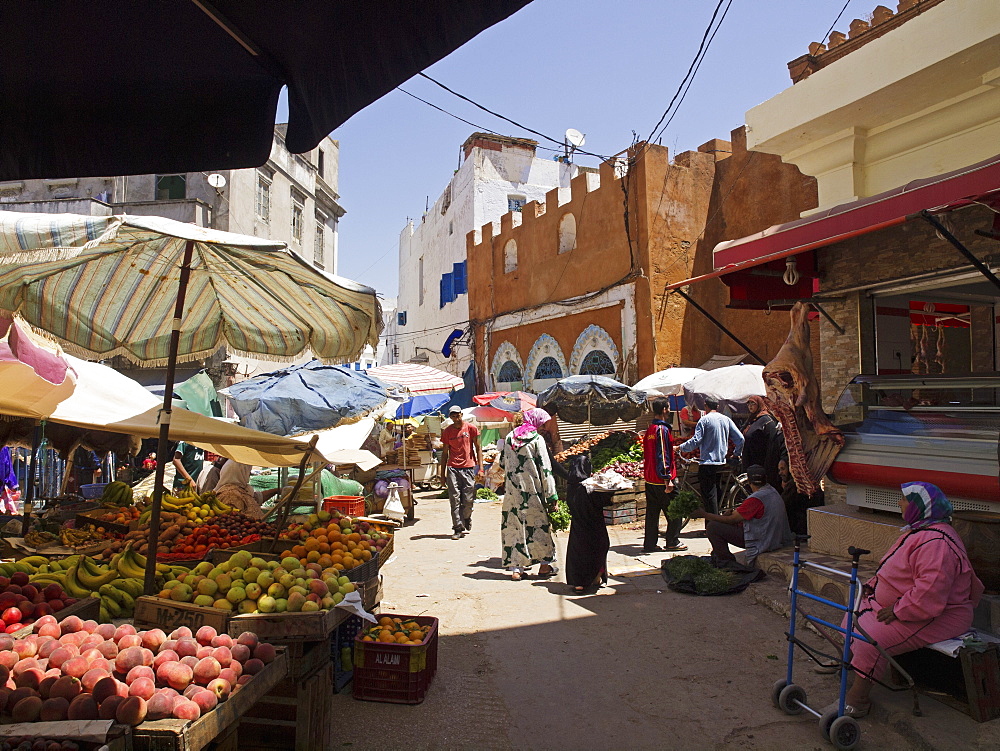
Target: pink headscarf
[{"x": 533, "y": 419}]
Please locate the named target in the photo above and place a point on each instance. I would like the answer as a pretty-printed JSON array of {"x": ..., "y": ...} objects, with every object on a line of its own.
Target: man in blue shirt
[{"x": 712, "y": 435}]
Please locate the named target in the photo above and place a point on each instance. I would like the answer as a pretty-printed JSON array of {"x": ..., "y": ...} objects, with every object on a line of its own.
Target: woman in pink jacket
[{"x": 923, "y": 592}]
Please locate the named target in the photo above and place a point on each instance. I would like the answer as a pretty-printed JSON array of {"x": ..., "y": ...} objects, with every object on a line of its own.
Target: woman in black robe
[{"x": 587, "y": 550}]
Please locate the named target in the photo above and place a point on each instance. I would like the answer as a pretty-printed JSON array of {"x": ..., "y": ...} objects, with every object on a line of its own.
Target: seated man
[{"x": 759, "y": 523}]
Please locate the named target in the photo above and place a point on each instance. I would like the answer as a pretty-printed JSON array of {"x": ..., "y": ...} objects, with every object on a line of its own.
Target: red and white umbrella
[
  {"x": 418, "y": 379},
  {"x": 508, "y": 401}
]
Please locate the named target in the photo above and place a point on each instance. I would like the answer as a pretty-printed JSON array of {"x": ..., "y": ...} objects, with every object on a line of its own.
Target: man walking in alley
[
  {"x": 659, "y": 473},
  {"x": 462, "y": 460},
  {"x": 712, "y": 435}
]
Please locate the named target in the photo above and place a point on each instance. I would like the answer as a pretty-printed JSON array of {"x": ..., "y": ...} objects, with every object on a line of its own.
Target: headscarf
[
  {"x": 755, "y": 419},
  {"x": 533, "y": 420},
  {"x": 927, "y": 505}
]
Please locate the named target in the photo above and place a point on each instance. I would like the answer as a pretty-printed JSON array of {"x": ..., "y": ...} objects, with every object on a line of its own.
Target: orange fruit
[
  {"x": 367, "y": 638},
  {"x": 354, "y": 537},
  {"x": 317, "y": 532},
  {"x": 366, "y": 555},
  {"x": 298, "y": 551},
  {"x": 311, "y": 544},
  {"x": 337, "y": 546},
  {"x": 339, "y": 566},
  {"x": 386, "y": 636},
  {"x": 312, "y": 556},
  {"x": 325, "y": 561},
  {"x": 402, "y": 638},
  {"x": 385, "y": 621}
]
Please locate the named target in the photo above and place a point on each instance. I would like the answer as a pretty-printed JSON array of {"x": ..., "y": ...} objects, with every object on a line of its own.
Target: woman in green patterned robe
[{"x": 530, "y": 493}]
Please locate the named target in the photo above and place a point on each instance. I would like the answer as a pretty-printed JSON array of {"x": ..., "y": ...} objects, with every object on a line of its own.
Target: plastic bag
[{"x": 394, "y": 506}]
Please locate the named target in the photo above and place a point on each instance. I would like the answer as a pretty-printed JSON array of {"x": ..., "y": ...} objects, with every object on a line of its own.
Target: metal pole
[
  {"x": 29, "y": 493},
  {"x": 946, "y": 234},
  {"x": 720, "y": 326},
  {"x": 161, "y": 446}
]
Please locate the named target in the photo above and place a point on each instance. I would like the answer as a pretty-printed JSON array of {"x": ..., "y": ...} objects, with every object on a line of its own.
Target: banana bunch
[
  {"x": 78, "y": 538},
  {"x": 117, "y": 494},
  {"x": 40, "y": 539},
  {"x": 117, "y": 584},
  {"x": 27, "y": 565},
  {"x": 191, "y": 505}
]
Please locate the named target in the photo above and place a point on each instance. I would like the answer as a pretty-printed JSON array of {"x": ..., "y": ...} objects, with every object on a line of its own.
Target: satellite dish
[
  {"x": 575, "y": 138},
  {"x": 217, "y": 181}
]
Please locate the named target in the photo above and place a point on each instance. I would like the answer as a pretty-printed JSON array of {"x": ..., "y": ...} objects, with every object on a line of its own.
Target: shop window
[
  {"x": 548, "y": 368},
  {"x": 321, "y": 162},
  {"x": 597, "y": 362},
  {"x": 319, "y": 242},
  {"x": 567, "y": 233},
  {"x": 171, "y": 187},
  {"x": 297, "y": 223},
  {"x": 509, "y": 373},
  {"x": 509, "y": 256}
]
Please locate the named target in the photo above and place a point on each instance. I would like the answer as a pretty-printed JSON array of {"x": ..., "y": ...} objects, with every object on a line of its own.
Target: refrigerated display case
[{"x": 943, "y": 429}]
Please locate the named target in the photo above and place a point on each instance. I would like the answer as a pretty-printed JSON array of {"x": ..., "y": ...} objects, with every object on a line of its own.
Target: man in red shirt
[
  {"x": 461, "y": 460},
  {"x": 759, "y": 524},
  {"x": 659, "y": 473}
]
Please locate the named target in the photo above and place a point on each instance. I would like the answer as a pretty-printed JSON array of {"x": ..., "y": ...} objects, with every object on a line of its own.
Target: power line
[{"x": 835, "y": 22}]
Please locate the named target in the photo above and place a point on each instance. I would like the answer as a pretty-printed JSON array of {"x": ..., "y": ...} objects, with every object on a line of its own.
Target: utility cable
[{"x": 835, "y": 22}]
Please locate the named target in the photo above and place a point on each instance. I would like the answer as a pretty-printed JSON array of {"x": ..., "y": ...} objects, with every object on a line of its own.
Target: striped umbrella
[
  {"x": 419, "y": 379},
  {"x": 159, "y": 291}
]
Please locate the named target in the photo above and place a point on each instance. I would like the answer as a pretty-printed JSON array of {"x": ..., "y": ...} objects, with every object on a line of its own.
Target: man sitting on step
[{"x": 758, "y": 525}]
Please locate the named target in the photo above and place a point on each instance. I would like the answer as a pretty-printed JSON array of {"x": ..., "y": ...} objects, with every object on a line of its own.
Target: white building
[
  {"x": 292, "y": 197},
  {"x": 498, "y": 174}
]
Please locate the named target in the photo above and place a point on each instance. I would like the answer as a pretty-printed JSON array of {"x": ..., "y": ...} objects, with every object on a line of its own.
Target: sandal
[
  {"x": 545, "y": 573},
  {"x": 579, "y": 590},
  {"x": 857, "y": 712},
  {"x": 516, "y": 576}
]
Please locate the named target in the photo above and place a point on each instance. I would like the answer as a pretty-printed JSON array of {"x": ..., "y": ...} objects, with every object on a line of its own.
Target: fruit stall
[{"x": 618, "y": 452}]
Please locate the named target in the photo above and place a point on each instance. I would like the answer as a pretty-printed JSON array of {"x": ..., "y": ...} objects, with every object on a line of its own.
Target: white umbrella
[
  {"x": 419, "y": 379},
  {"x": 36, "y": 377},
  {"x": 669, "y": 382},
  {"x": 735, "y": 383}
]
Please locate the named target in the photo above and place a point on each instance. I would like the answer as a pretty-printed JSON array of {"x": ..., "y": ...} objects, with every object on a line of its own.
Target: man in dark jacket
[{"x": 659, "y": 473}]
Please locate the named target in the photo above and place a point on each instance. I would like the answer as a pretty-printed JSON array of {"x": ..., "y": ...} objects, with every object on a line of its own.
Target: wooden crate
[
  {"x": 88, "y": 520},
  {"x": 86, "y": 609},
  {"x": 288, "y": 627},
  {"x": 214, "y": 730},
  {"x": 296, "y": 714},
  {"x": 156, "y": 612},
  {"x": 371, "y": 592},
  {"x": 91, "y": 733},
  {"x": 969, "y": 682}
]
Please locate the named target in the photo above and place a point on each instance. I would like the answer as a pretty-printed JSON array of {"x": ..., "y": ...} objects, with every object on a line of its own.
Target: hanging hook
[{"x": 791, "y": 276}]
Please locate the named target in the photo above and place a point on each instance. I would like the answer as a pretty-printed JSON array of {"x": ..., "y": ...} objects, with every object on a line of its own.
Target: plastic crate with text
[
  {"x": 343, "y": 638},
  {"x": 396, "y": 673},
  {"x": 349, "y": 505}
]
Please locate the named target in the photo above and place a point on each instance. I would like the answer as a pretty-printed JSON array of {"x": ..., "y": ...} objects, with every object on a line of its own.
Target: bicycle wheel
[{"x": 737, "y": 492}]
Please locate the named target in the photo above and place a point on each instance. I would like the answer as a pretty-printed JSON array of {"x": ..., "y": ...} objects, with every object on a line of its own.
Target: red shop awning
[{"x": 945, "y": 192}]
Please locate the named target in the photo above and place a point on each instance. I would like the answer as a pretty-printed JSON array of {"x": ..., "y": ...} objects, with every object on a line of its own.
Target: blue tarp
[{"x": 305, "y": 397}]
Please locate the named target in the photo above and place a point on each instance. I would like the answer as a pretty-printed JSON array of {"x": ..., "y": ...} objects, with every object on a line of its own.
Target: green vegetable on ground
[
  {"x": 485, "y": 494},
  {"x": 682, "y": 504},
  {"x": 707, "y": 578}
]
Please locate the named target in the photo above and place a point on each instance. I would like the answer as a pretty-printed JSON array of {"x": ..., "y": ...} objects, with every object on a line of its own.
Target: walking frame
[{"x": 841, "y": 730}]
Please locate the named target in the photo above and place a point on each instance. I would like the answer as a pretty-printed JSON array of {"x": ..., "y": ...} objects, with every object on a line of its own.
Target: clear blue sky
[{"x": 603, "y": 67}]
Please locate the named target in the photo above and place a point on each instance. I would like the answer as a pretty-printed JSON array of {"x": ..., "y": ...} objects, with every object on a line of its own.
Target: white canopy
[
  {"x": 669, "y": 382},
  {"x": 735, "y": 383}
]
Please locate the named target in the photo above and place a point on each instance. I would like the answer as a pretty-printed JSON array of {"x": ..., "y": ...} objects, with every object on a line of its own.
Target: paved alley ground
[{"x": 528, "y": 665}]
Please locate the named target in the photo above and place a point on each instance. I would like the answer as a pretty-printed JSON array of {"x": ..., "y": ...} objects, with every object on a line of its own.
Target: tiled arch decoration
[
  {"x": 506, "y": 352},
  {"x": 544, "y": 346},
  {"x": 593, "y": 337}
]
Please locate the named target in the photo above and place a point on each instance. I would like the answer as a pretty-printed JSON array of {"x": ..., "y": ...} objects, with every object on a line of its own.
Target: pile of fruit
[
  {"x": 245, "y": 584},
  {"x": 117, "y": 583},
  {"x": 117, "y": 494},
  {"x": 22, "y": 602},
  {"x": 122, "y": 516},
  {"x": 194, "y": 507},
  {"x": 396, "y": 631},
  {"x": 182, "y": 539},
  {"x": 79, "y": 670},
  {"x": 336, "y": 541},
  {"x": 33, "y": 743}
]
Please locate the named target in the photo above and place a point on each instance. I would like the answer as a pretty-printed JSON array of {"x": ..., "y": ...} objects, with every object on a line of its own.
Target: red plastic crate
[
  {"x": 351, "y": 505},
  {"x": 396, "y": 673}
]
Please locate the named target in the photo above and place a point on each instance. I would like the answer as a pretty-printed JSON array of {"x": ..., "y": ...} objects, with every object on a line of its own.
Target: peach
[
  {"x": 147, "y": 656},
  {"x": 24, "y": 648},
  {"x": 4, "y": 674},
  {"x": 177, "y": 675},
  {"x": 105, "y": 631},
  {"x": 153, "y": 638},
  {"x": 53, "y": 710},
  {"x": 49, "y": 629},
  {"x": 53, "y": 673},
  {"x": 228, "y": 675},
  {"x": 45, "y": 620},
  {"x": 190, "y": 661},
  {"x": 61, "y": 654},
  {"x": 27, "y": 710},
  {"x": 83, "y": 707},
  {"x": 67, "y": 687},
  {"x": 140, "y": 671},
  {"x": 206, "y": 700},
  {"x": 221, "y": 688},
  {"x": 109, "y": 707},
  {"x": 142, "y": 687},
  {"x": 4, "y": 695},
  {"x": 223, "y": 655},
  {"x": 129, "y": 640},
  {"x": 76, "y": 667},
  {"x": 90, "y": 626},
  {"x": 108, "y": 649},
  {"x": 170, "y": 644},
  {"x": 159, "y": 707},
  {"x": 8, "y": 659},
  {"x": 70, "y": 624},
  {"x": 92, "y": 654},
  {"x": 240, "y": 652},
  {"x": 126, "y": 629},
  {"x": 46, "y": 649},
  {"x": 205, "y": 635},
  {"x": 18, "y": 694},
  {"x": 168, "y": 655},
  {"x": 203, "y": 652},
  {"x": 223, "y": 640},
  {"x": 265, "y": 652},
  {"x": 182, "y": 632},
  {"x": 128, "y": 658},
  {"x": 252, "y": 667},
  {"x": 167, "y": 691},
  {"x": 132, "y": 711},
  {"x": 186, "y": 647},
  {"x": 243, "y": 680},
  {"x": 7, "y": 642},
  {"x": 249, "y": 638},
  {"x": 104, "y": 688},
  {"x": 191, "y": 690},
  {"x": 206, "y": 670},
  {"x": 92, "y": 641},
  {"x": 92, "y": 676},
  {"x": 186, "y": 709},
  {"x": 29, "y": 678},
  {"x": 30, "y": 664},
  {"x": 45, "y": 685},
  {"x": 106, "y": 665}
]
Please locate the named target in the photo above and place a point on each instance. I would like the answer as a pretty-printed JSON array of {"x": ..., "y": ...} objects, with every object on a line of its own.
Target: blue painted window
[
  {"x": 509, "y": 372},
  {"x": 401, "y": 318},
  {"x": 597, "y": 363},
  {"x": 447, "y": 289},
  {"x": 459, "y": 279},
  {"x": 548, "y": 368}
]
